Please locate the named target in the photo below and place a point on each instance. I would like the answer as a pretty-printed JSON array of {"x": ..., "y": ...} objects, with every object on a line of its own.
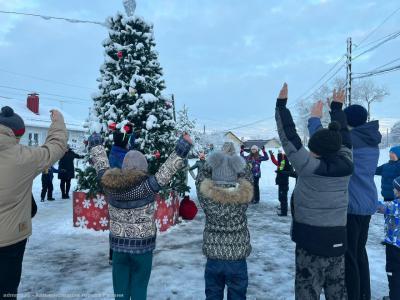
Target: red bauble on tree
[
  {"x": 120, "y": 54},
  {"x": 157, "y": 154},
  {"x": 112, "y": 126}
]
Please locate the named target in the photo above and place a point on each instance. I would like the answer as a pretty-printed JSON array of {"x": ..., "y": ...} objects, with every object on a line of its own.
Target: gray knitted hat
[
  {"x": 11, "y": 120},
  {"x": 135, "y": 160},
  {"x": 225, "y": 167}
]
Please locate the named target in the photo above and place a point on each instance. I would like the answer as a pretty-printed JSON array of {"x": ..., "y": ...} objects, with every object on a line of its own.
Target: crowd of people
[{"x": 331, "y": 205}]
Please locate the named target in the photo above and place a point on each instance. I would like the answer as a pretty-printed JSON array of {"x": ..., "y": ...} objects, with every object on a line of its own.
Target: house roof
[
  {"x": 258, "y": 143},
  {"x": 41, "y": 120}
]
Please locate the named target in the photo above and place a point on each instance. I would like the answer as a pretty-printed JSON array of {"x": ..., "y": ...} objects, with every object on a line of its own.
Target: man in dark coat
[{"x": 66, "y": 171}]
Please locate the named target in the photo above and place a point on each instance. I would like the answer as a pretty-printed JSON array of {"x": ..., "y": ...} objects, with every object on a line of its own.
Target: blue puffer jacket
[
  {"x": 389, "y": 172},
  {"x": 362, "y": 189},
  {"x": 116, "y": 157}
]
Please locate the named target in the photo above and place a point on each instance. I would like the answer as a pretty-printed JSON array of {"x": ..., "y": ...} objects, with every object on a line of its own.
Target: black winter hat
[
  {"x": 120, "y": 139},
  {"x": 13, "y": 121},
  {"x": 356, "y": 115},
  {"x": 326, "y": 141}
]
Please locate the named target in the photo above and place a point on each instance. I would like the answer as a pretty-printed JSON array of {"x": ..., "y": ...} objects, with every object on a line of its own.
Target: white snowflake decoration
[
  {"x": 130, "y": 7},
  {"x": 165, "y": 220},
  {"x": 103, "y": 222},
  {"x": 86, "y": 203},
  {"x": 99, "y": 202},
  {"x": 168, "y": 201},
  {"x": 82, "y": 222}
]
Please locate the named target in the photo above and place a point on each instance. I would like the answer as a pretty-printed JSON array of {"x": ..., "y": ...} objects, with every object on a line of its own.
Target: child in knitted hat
[
  {"x": 392, "y": 239},
  {"x": 389, "y": 171},
  {"x": 131, "y": 192},
  {"x": 224, "y": 191}
]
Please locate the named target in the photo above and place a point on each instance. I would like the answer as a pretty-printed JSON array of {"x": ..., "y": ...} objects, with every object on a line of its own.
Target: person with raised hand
[
  {"x": 320, "y": 198},
  {"x": 19, "y": 165},
  {"x": 363, "y": 194},
  {"x": 130, "y": 192}
]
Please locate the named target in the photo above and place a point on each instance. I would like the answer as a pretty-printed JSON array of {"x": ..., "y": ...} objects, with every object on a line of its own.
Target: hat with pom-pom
[
  {"x": 326, "y": 141},
  {"x": 13, "y": 121},
  {"x": 356, "y": 115}
]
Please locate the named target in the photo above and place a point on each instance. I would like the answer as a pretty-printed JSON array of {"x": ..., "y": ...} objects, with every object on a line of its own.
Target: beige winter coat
[{"x": 19, "y": 165}]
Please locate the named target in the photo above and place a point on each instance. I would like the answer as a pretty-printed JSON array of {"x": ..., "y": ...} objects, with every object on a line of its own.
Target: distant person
[
  {"x": 66, "y": 171},
  {"x": 19, "y": 166},
  {"x": 389, "y": 171},
  {"x": 254, "y": 159},
  {"x": 283, "y": 171},
  {"x": 47, "y": 184}
]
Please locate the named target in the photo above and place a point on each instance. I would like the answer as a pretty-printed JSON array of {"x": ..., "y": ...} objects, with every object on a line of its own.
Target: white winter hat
[{"x": 254, "y": 147}]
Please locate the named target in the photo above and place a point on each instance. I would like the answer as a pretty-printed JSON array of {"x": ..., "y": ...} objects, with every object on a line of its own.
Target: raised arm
[
  {"x": 264, "y": 157},
  {"x": 314, "y": 122},
  {"x": 299, "y": 157},
  {"x": 55, "y": 145},
  {"x": 338, "y": 115},
  {"x": 173, "y": 164},
  {"x": 98, "y": 155},
  {"x": 273, "y": 159}
]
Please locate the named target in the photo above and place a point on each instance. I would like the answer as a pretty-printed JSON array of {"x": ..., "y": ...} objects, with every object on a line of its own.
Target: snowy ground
[{"x": 66, "y": 261}]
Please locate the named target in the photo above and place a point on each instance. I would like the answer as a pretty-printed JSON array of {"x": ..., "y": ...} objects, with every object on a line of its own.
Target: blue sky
[{"x": 225, "y": 59}]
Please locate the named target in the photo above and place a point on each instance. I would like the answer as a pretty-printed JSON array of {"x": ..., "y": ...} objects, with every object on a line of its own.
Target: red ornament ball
[
  {"x": 157, "y": 154},
  {"x": 120, "y": 54},
  {"x": 112, "y": 126}
]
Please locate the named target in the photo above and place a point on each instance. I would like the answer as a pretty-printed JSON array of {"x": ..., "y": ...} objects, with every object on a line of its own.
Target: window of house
[{"x": 33, "y": 139}]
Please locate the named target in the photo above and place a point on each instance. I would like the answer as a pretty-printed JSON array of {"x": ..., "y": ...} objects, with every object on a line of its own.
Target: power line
[
  {"x": 377, "y": 68},
  {"x": 46, "y": 80},
  {"x": 392, "y": 37},
  {"x": 379, "y": 72},
  {"x": 375, "y": 41},
  {"x": 379, "y": 26},
  {"x": 48, "y": 18},
  {"x": 44, "y": 93},
  {"x": 321, "y": 78}
]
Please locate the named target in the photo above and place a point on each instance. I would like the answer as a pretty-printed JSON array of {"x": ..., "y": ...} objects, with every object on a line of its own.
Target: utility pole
[
  {"x": 173, "y": 106},
  {"x": 348, "y": 73},
  {"x": 204, "y": 129}
]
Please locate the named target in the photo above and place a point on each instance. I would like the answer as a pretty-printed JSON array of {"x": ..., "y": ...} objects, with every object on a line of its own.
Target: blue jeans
[{"x": 232, "y": 273}]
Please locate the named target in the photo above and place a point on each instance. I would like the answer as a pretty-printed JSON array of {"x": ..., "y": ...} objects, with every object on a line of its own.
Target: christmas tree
[{"x": 130, "y": 90}]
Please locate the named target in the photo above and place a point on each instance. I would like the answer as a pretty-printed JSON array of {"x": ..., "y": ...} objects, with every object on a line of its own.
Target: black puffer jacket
[{"x": 66, "y": 169}]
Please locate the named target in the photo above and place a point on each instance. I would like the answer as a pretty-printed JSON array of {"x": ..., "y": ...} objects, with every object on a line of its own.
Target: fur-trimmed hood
[
  {"x": 117, "y": 179},
  {"x": 241, "y": 194}
]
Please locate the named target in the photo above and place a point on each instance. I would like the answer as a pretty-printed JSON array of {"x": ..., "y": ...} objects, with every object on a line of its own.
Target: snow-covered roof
[{"x": 41, "y": 120}]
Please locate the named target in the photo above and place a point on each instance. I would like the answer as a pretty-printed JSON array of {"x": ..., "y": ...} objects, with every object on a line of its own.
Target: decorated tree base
[{"x": 92, "y": 213}]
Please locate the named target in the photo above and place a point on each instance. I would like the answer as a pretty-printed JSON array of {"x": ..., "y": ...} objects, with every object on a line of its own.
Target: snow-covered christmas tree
[{"x": 130, "y": 89}]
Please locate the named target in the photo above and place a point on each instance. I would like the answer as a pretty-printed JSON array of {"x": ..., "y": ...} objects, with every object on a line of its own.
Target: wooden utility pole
[{"x": 348, "y": 73}]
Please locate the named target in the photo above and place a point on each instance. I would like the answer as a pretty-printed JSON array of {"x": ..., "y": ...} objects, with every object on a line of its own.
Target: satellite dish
[{"x": 130, "y": 6}]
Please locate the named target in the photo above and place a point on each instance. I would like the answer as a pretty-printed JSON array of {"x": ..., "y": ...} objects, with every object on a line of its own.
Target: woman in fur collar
[
  {"x": 225, "y": 189},
  {"x": 130, "y": 192}
]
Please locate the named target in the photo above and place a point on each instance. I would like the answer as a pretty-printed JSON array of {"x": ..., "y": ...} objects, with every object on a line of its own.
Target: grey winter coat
[{"x": 321, "y": 192}]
